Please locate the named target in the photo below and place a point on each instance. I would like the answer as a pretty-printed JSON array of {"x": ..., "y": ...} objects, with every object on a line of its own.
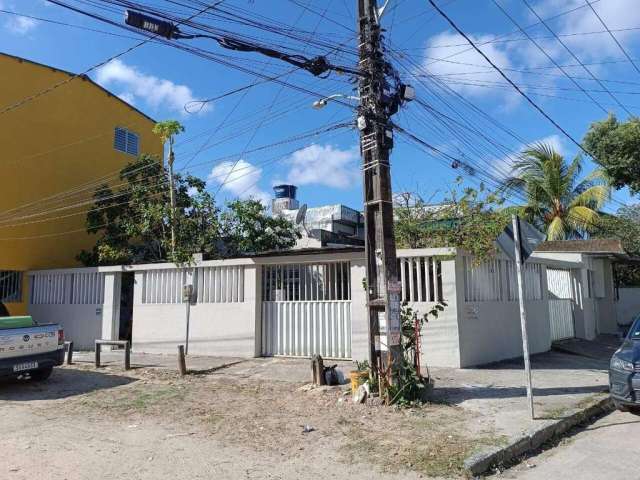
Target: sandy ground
[
  {"x": 230, "y": 423},
  {"x": 235, "y": 418}
]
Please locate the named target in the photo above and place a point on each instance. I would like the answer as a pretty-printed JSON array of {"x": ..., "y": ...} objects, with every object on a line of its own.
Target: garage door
[{"x": 306, "y": 309}]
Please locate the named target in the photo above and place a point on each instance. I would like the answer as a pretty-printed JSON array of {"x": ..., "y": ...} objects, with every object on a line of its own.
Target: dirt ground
[{"x": 235, "y": 422}]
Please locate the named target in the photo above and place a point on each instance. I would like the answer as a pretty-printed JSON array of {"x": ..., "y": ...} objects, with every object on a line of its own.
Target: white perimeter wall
[
  {"x": 490, "y": 331},
  {"x": 82, "y": 323},
  {"x": 225, "y": 329},
  {"x": 628, "y": 305}
]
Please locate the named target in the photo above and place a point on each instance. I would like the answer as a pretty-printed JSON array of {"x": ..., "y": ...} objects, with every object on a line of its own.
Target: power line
[
  {"x": 574, "y": 56},
  {"x": 88, "y": 70},
  {"x": 511, "y": 82},
  {"x": 553, "y": 17},
  {"x": 613, "y": 36},
  {"x": 539, "y": 47}
]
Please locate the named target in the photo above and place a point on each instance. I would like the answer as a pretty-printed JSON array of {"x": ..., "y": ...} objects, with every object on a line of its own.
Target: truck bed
[{"x": 26, "y": 349}]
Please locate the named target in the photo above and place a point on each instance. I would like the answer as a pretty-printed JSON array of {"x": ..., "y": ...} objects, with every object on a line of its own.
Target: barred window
[{"x": 10, "y": 286}]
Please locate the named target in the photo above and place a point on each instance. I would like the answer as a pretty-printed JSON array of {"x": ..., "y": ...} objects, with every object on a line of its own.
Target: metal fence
[
  {"x": 223, "y": 284},
  {"x": 48, "y": 288},
  {"x": 496, "y": 281},
  {"x": 306, "y": 282},
  {"x": 421, "y": 279},
  {"x": 87, "y": 288}
]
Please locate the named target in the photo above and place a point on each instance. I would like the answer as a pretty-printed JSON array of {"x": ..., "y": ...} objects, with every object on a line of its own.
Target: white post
[{"x": 523, "y": 312}]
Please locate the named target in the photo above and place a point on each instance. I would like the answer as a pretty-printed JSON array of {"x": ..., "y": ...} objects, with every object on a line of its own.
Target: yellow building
[{"x": 61, "y": 135}]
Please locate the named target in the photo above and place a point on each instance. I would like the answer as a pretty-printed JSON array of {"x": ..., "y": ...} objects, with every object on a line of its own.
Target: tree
[
  {"x": 616, "y": 147},
  {"x": 557, "y": 201},
  {"x": 133, "y": 224},
  {"x": 167, "y": 132},
  {"x": 246, "y": 228},
  {"x": 471, "y": 220},
  {"x": 625, "y": 225}
]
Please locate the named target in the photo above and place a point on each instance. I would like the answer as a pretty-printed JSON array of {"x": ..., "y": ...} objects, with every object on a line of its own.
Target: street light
[{"x": 319, "y": 104}]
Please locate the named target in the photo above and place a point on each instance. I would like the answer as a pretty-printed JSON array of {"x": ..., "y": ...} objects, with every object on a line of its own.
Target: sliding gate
[{"x": 306, "y": 309}]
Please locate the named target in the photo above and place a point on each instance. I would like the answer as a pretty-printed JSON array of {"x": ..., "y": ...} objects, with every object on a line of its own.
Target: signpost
[
  {"x": 187, "y": 294},
  {"x": 518, "y": 242}
]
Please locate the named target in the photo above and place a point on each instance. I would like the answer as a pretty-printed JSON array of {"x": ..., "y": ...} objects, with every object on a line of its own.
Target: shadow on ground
[
  {"x": 63, "y": 383},
  {"x": 456, "y": 395},
  {"x": 551, "y": 361}
]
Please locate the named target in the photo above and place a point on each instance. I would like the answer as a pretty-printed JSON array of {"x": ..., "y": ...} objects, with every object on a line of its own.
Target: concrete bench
[{"x": 115, "y": 343}]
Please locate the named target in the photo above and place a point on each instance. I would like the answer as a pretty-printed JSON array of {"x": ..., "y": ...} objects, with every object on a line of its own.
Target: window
[
  {"x": 10, "y": 286},
  {"x": 126, "y": 141}
]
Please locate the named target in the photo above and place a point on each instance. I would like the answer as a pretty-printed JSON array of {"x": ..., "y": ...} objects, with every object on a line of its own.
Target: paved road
[{"x": 607, "y": 449}]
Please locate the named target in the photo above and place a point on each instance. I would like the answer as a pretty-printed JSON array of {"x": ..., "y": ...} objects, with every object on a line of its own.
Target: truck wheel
[{"x": 41, "y": 374}]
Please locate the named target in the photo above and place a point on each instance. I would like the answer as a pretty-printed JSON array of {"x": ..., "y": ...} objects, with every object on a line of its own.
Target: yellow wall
[{"x": 54, "y": 143}]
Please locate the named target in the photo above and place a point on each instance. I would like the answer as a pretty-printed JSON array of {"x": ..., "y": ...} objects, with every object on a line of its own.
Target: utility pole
[{"x": 376, "y": 141}]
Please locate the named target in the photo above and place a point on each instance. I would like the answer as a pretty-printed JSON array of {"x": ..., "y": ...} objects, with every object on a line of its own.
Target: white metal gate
[
  {"x": 561, "y": 319},
  {"x": 561, "y": 303},
  {"x": 306, "y": 309}
]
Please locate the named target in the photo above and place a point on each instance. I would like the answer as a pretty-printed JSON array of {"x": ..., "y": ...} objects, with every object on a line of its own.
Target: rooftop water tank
[{"x": 285, "y": 191}]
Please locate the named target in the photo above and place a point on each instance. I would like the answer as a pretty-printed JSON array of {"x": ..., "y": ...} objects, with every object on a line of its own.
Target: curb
[{"x": 479, "y": 463}]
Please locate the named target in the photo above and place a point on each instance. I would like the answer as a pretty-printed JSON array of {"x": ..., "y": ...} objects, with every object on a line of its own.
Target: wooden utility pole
[{"x": 376, "y": 141}]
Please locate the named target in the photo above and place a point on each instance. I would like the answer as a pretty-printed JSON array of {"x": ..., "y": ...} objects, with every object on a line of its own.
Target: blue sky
[{"x": 235, "y": 139}]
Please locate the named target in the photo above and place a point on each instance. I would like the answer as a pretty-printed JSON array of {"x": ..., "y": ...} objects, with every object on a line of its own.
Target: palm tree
[{"x": 557, "y": 201}]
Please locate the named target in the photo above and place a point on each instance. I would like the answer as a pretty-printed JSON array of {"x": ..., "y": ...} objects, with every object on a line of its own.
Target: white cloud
[
  {"x": 617, "y": 14},
  {"x": 555, "y": 141},
  {"x": 504, "y": 166},
  {"x": 466, "y": 70},
  {"x": 128, "y": 97},
  {"x": 324, "y": 165},
  {"x": 20, "y": 25},
  {"x": 156, "y": 92},
  {"x": 239, "y": 179}
]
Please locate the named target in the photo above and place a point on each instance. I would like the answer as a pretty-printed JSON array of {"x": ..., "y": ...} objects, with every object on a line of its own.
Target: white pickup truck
[{"x": 29, "y": 349}]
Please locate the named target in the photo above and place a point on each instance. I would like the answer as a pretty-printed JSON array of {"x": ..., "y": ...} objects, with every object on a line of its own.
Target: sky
[{"x": 245, "y": 142}]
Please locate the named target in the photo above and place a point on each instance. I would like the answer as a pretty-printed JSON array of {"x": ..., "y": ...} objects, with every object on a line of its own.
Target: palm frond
[
  {"x": 556, "y": 230},
  {"x": 594, "y": 197},
  {"x": 582, "y": 219}
]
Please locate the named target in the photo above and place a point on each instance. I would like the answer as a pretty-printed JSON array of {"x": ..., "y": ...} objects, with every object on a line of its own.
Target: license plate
[{"x": 21, "y": 367}]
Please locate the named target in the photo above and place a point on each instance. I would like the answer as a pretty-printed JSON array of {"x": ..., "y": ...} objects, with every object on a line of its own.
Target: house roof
[
  {"x": 597, "y": 246},
  {"x": 81, "y": 77}
]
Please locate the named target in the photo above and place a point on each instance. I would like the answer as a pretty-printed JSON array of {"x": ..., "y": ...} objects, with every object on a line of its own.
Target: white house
[{"x": 300, "y": 302}]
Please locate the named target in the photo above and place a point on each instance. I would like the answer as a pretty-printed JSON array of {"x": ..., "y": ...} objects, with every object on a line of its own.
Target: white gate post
[{"x": 111, "y": 306}]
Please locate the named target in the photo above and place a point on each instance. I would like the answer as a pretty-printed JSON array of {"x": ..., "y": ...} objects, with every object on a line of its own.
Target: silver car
[{"x": 624, "y": 371}]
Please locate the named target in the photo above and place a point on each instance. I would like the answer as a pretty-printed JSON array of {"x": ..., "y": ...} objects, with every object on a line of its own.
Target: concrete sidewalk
[
  {"x": 565, "y": 386},
  {"x": 602, "y": 348}
]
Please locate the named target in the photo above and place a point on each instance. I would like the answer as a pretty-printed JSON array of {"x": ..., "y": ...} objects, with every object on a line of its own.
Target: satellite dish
[{"x": 301, "y": 216}]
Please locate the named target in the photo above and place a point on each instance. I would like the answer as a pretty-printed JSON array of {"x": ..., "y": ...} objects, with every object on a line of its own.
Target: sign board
[
  {"x": 187, "y": 292},
  {"x": 530, "y": 239}
]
